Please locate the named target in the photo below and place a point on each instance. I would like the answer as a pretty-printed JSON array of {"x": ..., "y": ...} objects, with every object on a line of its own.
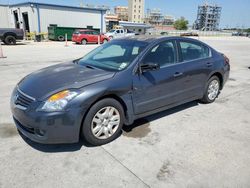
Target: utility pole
[{"x": 81, "y": 3}]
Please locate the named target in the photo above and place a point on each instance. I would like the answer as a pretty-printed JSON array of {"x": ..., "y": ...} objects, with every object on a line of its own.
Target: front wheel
[
  {"x": 212, "y": 90},
  {"x": 103, "y": 122}
]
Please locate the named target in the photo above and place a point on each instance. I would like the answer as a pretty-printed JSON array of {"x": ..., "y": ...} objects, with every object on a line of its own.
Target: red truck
[{"x": 88, "y": 36}]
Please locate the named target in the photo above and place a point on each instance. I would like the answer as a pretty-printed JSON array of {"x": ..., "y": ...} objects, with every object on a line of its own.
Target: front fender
[{"x": 91, "y": 94}]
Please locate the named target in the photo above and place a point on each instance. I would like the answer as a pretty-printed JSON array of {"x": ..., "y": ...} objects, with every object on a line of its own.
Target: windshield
[
  {"x": 113, "y": 56},
  {"x": 111, "y": 31}
]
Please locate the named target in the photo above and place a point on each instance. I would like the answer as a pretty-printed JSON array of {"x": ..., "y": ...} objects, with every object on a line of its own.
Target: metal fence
[{"x": 200, "y": 33}]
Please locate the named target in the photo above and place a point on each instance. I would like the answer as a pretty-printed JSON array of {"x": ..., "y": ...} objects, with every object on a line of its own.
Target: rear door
[
  {"x": 96, "y": 34},
  {"x": 163, "y": 87},
  {"x": 91, "y": 36},
  {"x": 197, "y": 63}
]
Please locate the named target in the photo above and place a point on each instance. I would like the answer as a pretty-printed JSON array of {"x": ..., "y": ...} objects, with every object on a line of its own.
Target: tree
[{"x": 181, "y": 24}]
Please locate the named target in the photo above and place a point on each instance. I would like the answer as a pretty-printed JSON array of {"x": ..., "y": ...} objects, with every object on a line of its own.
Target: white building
[
  {"x": 38, "y": 16},
  {"x": 136, "y": 11}
]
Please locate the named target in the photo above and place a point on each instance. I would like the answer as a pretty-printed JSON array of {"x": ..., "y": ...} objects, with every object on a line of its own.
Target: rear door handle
[
  {"x": 209, "y": 64},
  {"x": 177, "y": 74}
]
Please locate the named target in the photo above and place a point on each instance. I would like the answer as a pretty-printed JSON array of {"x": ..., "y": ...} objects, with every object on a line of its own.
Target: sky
[{"x": 235, "y": 13}]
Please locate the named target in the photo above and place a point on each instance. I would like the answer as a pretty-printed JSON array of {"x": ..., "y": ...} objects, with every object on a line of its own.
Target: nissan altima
[{"x": 95, "y": 96}]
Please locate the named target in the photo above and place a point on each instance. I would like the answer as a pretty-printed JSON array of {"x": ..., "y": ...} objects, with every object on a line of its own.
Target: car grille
[{"x": 22, "y": 99}]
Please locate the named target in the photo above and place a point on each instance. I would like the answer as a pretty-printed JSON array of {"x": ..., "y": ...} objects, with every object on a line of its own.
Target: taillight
[{"x": 226, "y": 59}]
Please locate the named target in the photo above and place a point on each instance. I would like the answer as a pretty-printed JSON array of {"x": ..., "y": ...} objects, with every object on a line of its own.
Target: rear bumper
[{"x": 226, "y": 74}]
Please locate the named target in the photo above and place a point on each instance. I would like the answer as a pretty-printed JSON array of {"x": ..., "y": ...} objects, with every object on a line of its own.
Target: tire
[
  {"x": 10, "y": 40},
  {"x": 212, "y": 90},
  {"x": 61, "y": 38},
  {"x": 97, "y": 125},
  {"x": 84, "y": 42},
  {"x": 105, "y": 41}
]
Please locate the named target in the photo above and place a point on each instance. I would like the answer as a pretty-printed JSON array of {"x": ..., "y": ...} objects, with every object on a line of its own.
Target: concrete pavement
[{"x": 193, "y": 145}]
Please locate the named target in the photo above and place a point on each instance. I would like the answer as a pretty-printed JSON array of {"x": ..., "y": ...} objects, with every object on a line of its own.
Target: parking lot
[{"x": 193, "y": 145}]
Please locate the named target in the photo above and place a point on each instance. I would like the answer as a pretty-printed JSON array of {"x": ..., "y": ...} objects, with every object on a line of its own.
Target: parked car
[
  {"x": 115, "y": 84},
  {"x": 119, "y": 33},
  {"x": 241, "y": 34},
  {"x": 88, "y": 36},
  {"x": 189, "y": 34},
  {"x": 10, "y": 36},
  {"x": 164, "y": 33}
]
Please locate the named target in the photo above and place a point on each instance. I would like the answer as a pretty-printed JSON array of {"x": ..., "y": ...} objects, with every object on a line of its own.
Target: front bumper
[{"x": 48, "y": 127}]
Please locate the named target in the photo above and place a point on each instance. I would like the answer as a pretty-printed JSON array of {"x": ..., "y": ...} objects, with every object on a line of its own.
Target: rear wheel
[
  {"x": 103, "y": 122},
  {"x": 61, "y": 38},
  {"x": 212, "y": 90},
  {"x": 84, "y": 42},
  {"x": 10, "y": 40}
]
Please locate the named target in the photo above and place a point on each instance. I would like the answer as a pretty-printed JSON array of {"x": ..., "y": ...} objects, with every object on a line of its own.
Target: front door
[{"x": 159, "y": 88}]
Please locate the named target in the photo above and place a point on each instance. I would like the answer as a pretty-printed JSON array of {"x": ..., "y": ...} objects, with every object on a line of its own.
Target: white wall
[
  {"x": 62, "y": 16},
  {"x": 4, "y": 17},
  {"x": 69, "y": 17}
]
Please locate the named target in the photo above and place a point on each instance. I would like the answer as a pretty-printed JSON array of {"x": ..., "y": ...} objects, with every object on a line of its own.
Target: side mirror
[{"x": 149, "y": 67}]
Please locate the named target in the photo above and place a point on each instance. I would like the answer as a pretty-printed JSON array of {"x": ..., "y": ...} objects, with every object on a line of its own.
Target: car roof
[
  {"x": 149, "y": 38},
  {"x": 85, "y": 30},
  {"x": 154, "y": 38},
  {"x": 143, "y": 38}
]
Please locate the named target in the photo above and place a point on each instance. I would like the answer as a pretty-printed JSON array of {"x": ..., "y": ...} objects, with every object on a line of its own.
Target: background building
[
  {"x": 208, "y": 17},
  {"x": 4, "y": 17},
  {"x": 122, "y": 13},
  {"x": 38, "y": 16},
  {"x": 138, "y": 28},
  {"x": 168, "y": 20},
  {"x": 156, "y": 18},
  {"x": 136, "y": 11}
]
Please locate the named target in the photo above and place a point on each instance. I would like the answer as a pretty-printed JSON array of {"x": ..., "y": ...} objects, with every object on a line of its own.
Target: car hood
[{"x": 45, "y": 82}]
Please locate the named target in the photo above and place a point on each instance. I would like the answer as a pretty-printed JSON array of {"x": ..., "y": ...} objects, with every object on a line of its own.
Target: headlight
[{"x": 58, "y": 101}]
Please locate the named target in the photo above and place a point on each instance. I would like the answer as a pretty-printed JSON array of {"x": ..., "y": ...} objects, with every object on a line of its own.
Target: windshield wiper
[{"x": 90, "y": 67}]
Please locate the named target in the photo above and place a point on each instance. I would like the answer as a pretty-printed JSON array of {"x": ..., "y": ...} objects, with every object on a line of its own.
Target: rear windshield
[{"x": 112, "y": 31}]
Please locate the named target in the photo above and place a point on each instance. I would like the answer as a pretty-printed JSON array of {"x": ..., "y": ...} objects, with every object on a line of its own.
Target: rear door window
[
  {"x": 96, "y": 33},
  {"x": 191, "y": 51}
]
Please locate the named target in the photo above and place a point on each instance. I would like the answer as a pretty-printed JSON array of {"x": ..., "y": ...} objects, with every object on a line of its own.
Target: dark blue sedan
[{"x": 118, "y": 82}]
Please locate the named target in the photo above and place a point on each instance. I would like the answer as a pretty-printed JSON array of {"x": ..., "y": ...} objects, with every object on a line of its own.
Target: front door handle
[
  {"x": 209, "y": 64},
  {"x": 177, "y": 74}
]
